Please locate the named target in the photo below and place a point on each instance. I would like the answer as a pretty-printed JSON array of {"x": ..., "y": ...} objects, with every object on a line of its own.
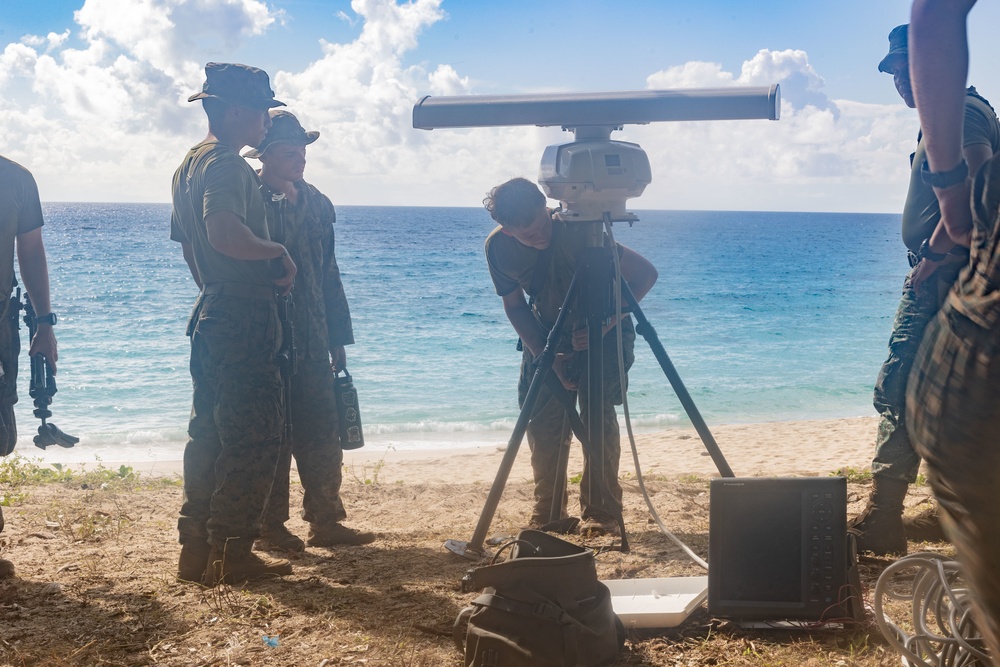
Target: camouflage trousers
[
  {"x": 236, "y": 420},
  {"x": 10, "y": 350},
  {"x": 894, "y": 455},
  {"x": 953, "y": 408},
  {"x": 315, "y": 444},
  {"x": 549, "y": 437}
]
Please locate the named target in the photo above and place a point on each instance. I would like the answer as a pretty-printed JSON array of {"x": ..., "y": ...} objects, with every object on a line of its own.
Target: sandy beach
[{"x": 95, "y": 559}]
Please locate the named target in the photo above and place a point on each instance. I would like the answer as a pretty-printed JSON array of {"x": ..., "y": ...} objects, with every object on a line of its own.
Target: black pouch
[
  {"x": 348, "y": 412},
  {"x": 542, "y": 607}
]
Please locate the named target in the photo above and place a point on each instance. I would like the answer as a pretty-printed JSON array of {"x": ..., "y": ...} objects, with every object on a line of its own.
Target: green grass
[
  {"x": 853, "y": 475},
  {"x": 19, "y": 472}
]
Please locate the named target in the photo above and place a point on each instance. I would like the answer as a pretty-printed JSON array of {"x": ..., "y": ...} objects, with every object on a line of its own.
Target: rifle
[{"x": 42, "y": 388}]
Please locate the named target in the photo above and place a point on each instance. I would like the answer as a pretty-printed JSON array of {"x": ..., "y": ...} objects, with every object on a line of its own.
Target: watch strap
[
  {"x": 944, "y": 179},
  {"x": 925, "y": 252},
  {"x": 49, "y": 319}
]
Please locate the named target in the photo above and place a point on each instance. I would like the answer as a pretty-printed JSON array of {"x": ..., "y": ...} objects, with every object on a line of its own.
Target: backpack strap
[{"x": 541, "y": 609}]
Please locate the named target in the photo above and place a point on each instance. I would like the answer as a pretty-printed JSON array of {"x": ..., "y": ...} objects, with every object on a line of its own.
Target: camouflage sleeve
[{"x": 338, "y": 314}]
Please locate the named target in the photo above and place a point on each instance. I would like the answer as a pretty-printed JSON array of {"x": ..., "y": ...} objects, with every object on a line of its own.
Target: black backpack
[{"x": 542, "y": 607}]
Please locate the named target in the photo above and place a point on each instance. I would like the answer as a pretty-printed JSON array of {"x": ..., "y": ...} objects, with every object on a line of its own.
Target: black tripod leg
[
  {"x": 645, "y": 329},
  {"x": 474, "y": 547},
  {"x": 562, "y": 463}
]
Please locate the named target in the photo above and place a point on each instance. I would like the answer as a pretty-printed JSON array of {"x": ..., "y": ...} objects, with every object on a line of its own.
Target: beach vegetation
[
  {"x": 18, "y": 472},
  {"x": 576, "y": 479},
  {"x": 366, "y": 476},
  {"x": 853, "y": 475}
]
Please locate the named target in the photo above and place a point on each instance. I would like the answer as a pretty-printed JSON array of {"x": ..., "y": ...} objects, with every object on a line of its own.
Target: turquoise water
[{"x": 767, "y": 316}]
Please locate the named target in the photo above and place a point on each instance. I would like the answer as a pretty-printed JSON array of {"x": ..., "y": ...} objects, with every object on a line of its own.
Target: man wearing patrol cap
[
  {"x": 220, "y": 219},
  {"x": 881, "y": 528},
  {"x": 303, "y": 221}
]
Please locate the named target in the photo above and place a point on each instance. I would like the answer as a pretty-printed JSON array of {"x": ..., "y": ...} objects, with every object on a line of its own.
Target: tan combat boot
[
  {"x": 233, "y": 565},
  {"x": 338, "y": 534},
  {"x": 879, "y": 528}
]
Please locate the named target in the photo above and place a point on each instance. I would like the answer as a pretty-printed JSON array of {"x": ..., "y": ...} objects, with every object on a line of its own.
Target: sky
[{"x": 93, "y": 94}]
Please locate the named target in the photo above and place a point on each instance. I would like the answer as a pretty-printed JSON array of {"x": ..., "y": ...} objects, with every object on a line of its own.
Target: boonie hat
[
  {"x": 285, "y": 129},
  {"x": 237, "y": 84},
  {"x": 897, "y": 47}
]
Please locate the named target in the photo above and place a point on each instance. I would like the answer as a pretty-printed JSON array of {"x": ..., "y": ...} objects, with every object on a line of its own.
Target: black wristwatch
[
  {"x": 944, "y": 179},
  {"x": 925, "y": 252},
  {"x": 49, "y": 319}
]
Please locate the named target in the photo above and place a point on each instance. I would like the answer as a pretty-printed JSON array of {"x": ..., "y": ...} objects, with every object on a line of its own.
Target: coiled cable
[{"x": 944, "y": 633}]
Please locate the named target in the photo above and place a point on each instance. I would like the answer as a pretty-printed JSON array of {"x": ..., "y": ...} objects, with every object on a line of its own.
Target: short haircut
[
  {"x": 215, "y": 109},
  {"x": 514, "y": 203}
]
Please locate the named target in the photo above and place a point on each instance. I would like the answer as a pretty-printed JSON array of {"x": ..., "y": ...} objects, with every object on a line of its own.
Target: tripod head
[{"x": 594, "y": 175}]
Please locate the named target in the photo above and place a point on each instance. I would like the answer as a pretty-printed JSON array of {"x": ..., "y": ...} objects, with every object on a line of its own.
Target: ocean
[{"x": 767, "y": 317}]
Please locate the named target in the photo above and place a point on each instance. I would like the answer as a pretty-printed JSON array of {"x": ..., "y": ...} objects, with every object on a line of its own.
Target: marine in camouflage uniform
[
  {"x": 953, "y": 406},
  {"x": 952, "y": 402},
  {"x": 21, "y": 226},
  {"x": 220, "y": 218},
  {"x": 881, "y": 528},
  {"x": 302, "y": 219},
  {"x": 530, "y": 241}
]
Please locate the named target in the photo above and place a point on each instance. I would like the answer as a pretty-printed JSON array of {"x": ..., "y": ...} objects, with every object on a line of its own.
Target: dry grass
[{"x": 95, "y": 583}]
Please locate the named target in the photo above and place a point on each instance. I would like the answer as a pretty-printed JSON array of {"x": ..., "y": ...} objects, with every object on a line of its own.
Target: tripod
[{"x": 591, "y": 289}]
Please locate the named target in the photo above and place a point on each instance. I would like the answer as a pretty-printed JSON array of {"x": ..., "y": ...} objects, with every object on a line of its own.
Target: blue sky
[{"x": 94, "y": 102}]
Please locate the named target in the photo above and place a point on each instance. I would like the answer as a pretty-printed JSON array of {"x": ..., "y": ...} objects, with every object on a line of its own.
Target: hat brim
[
  {"x": 255, "y": 154},
  {"x": 885, "y": 64},
  {"x": 269, "y": 104}
]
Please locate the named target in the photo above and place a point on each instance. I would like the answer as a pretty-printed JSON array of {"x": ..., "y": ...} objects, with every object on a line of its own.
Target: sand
[{"x": 95, "y": 562}]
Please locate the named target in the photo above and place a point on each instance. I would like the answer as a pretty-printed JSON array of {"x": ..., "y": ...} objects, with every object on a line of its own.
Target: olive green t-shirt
[
  {"x": 513, "y": 265},
  {"x": 20, "y": 212},
  {"x": 211, "y": 179},
  {"x": 921, "y": 212}
]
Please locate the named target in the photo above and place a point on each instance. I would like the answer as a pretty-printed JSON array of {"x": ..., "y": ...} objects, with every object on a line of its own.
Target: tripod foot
[
  {"x": 464, "y": 550},
  {"x": 50, "y": 434}
]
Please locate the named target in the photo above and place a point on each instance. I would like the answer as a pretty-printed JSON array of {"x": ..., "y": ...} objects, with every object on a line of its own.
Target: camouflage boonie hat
[
  {"x": 237, "y": 84},
  {"x": 898, "y": 40},
  {"x": 285, "y": 129}
]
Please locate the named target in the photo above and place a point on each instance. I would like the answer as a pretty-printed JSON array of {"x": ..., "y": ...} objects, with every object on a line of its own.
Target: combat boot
[
  {"x": 925, "y": 527},
  {"x": 879, "y": 528},
  {"x": 233, "y": 565},
  {"x": 337, "y": 533},
  {"x": 278, "y": 537},
  {"x": 193, "y": 560},
  {"x": 6, "y": 569}
]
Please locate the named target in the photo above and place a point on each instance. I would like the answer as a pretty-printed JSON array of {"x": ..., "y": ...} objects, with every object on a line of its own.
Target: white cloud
[
  {"x": 100, "y": 114},
  {"x": 822, "y": 155}
]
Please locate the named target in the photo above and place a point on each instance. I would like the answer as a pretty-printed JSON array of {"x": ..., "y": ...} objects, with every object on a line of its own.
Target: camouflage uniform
[
  {"x": 237, "y": 413},
  {"x": 322, "y": 323},
  {"x": 953, "y": 406},
  {"x": 513, "y": 265},
  {"x": 894, "y": 455},
  {"x": 20, "y": 212}
]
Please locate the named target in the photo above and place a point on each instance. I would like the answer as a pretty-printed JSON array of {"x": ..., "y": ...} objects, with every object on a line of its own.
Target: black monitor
[{"x": 778, "y": 549}]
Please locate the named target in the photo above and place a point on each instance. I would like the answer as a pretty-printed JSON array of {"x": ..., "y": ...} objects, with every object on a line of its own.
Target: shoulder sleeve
[
  {"x": 30, "y": 216},
  {"x": 178, "y": 231},
  {"x": 497, "y": 261},
  {"x": 225, "y": 185},
  {"x": 979, "y": 127}
]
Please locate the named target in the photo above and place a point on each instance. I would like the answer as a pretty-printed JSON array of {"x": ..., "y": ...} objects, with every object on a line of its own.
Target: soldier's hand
[
  {"x": 287, "y": 279},
  {"x": 559, "y": 367},
  {"x": 44, "y": 342},
  {"x": 338, "y": 359},
  {"x": 922, "y": 272}
]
